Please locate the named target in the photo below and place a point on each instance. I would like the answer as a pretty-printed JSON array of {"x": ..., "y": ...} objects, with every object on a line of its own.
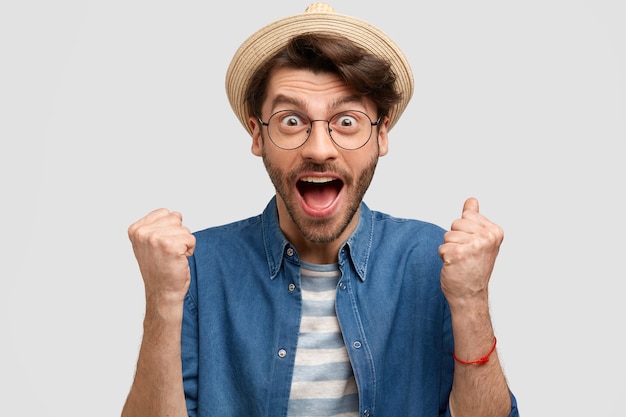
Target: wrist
[
  {"x": 465, "y": 298},
  {"x": 164, "y": 307},
  {"x": 162, "y": 326},
  {"x": 469, "y": 309}
]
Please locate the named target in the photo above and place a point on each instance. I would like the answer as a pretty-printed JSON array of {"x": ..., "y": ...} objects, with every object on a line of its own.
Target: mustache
[
  {"x": 324, "y": 168},
  {"x": 313, "y": 167}
]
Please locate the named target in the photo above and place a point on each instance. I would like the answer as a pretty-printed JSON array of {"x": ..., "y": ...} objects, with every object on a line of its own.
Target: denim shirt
[{"x": 242, "y": 316}]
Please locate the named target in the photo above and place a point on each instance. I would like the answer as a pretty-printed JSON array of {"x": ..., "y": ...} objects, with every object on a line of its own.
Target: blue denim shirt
[{"x": 242, "y": 316}]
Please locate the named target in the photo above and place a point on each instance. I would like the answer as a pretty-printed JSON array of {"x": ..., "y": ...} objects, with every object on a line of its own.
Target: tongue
[{"x": 319, "y": 197}]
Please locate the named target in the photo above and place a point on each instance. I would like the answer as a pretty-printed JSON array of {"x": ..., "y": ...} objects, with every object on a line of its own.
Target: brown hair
[{"x": 363, "y": 72}]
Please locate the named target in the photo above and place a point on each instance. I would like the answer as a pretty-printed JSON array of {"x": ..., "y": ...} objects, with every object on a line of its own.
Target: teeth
[{"x": 317, "y": 180}]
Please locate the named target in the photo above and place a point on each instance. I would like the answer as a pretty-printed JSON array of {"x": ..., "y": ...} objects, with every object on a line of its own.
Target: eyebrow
[{"x": 282, "y": 99}]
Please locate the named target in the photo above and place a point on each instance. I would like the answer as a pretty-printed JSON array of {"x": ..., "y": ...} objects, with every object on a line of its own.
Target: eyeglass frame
[{"x": 328, "y": 129}]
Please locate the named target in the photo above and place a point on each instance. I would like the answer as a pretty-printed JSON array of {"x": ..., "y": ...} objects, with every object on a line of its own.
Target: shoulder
[
  {"x": 230, "y": 233},
  {"x": 400, "y": 228},
  {"x": 411, "y": 244},
  {"x": 403, "y": 242}
]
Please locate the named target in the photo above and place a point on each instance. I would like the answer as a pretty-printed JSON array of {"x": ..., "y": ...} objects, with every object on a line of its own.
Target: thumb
[{"x": 471, "y": 204}]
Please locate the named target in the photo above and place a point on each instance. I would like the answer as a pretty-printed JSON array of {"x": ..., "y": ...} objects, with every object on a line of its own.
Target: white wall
[{"x": 109, "y": 109}]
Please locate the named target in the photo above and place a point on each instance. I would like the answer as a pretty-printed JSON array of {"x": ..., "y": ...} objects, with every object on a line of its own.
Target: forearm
[
  {"x": 157, "y": 389},
  {"x": 478, "y": 389}
]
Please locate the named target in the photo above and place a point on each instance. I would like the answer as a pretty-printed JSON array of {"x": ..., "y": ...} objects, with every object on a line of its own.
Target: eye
[
  {"x": 293, "y": 120},
  {"x": 346, "y": 121}
]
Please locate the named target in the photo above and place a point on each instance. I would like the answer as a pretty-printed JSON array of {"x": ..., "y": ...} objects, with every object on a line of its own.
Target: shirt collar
[{"x": 359, "y": 244}]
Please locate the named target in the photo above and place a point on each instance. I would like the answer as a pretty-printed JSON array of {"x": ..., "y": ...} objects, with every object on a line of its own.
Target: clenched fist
[
  {"x": 161, "y": 245},
  {"x": 469, "y": 253}
]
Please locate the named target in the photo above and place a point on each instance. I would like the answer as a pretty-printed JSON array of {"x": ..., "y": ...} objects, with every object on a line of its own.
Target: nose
[{"x": 319, "y": 146}]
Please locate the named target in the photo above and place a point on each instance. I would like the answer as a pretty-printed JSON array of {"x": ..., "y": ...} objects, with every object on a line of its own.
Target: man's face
[{"x": 319, "y": 185}]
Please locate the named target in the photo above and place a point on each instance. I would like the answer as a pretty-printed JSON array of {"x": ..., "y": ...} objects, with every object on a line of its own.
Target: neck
[
  {"x": 310, "y": 250},
  {"x": 317, "y": 253}
]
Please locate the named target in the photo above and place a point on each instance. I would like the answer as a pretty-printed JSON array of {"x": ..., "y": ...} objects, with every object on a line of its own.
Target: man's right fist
[{"x": 161, "y": 245}]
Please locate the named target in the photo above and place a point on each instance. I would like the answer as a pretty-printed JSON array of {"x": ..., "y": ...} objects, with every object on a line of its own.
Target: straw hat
[{"x": 318, "y": 17}]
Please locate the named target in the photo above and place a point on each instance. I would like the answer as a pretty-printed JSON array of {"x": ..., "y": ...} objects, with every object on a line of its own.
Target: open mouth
[{"x": 319, "y": 193}]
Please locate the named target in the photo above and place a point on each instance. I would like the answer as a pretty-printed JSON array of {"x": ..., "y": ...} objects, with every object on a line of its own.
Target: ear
[
  {"x": 257, "y": 139},
  {"x": 383, "y": 138}
]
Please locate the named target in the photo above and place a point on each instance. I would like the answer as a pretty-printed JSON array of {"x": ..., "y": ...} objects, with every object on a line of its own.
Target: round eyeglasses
[{"x": 289, "y": 129}]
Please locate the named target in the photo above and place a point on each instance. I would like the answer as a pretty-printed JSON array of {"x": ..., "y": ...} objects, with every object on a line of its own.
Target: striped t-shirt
[{"x": 323, "y": 383}]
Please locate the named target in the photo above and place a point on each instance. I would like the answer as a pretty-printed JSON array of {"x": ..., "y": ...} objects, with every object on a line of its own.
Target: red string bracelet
[{"x": 480, "y": 361}]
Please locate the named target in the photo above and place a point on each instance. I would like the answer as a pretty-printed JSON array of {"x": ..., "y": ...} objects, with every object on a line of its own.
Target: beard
[{"x": 321, "y": 230}]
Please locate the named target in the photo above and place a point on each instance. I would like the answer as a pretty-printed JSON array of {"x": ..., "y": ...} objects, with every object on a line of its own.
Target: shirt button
[
  {"x": 342, "y": 286},
  {"x": 356, "y": 344},
  {"x": 282, "y": 353},
  {"x": 292, "y": 287},
  {"x": 290, "y": 251},
  {"x": 366, "y": 413}
]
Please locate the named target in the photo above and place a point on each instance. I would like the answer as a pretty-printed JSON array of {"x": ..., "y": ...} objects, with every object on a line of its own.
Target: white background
[{"x": 109, "y": 109}]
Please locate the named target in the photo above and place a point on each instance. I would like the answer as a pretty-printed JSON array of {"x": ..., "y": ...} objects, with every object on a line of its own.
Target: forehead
[{"x": 307, "y": 90}]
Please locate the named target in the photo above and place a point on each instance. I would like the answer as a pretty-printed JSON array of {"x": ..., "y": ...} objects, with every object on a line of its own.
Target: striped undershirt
[{"x": 323, "y": 383}]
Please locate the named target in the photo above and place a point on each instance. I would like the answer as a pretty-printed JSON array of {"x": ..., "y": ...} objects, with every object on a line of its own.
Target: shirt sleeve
[{"x": 514, "y": 412}]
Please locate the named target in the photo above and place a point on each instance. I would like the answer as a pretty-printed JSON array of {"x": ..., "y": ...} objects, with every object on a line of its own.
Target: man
[{"x": 319, "y": 306}]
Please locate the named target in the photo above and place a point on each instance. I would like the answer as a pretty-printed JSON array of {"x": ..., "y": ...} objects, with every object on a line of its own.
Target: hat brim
[{"x": 267, "y": 41}]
